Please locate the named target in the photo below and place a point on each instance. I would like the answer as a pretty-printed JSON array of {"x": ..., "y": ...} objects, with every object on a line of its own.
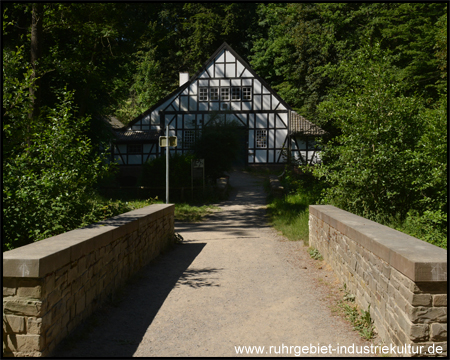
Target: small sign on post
[
  {"x": 173, "y": 141},
  {"x": 197, "y": 171},
  {"x": 167, "y": 141}
]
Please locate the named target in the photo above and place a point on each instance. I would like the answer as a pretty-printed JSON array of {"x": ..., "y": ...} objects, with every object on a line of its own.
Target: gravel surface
[{"x": 233, "y": 282}]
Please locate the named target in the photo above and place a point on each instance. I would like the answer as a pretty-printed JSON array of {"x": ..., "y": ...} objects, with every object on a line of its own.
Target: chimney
[{"x": 184, "y": 78}]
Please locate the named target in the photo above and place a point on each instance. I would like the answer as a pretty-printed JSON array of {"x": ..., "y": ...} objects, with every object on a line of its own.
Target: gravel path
[{"x": 233, "y": 282}]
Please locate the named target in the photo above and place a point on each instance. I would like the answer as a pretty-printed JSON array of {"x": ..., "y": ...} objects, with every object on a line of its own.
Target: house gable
[{"x": 225, "y": 85}]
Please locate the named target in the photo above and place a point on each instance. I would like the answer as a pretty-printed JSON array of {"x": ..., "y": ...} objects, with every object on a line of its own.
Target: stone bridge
[{"x": 51, "y": 286}]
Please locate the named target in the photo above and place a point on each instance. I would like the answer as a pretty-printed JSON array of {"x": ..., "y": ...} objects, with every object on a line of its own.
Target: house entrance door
[{"x": 241, "y": 160}]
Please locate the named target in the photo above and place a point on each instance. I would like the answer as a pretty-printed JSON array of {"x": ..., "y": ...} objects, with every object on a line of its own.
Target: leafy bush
[
  {"x": 390, "y": 158},
  {"x": 48, "y": 183},
  {"x": 154, "y": 171}
]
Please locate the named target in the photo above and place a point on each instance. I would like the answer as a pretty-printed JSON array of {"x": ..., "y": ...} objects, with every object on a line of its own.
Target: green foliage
[
  {"x": 154, "y": 171},
  {"x": 47, "y": 186},
  {"x": 189, "y": 213},
  {"x": 315, "y": 254},
  {"x": 390, "y": 156},
  {"x": 362, "y": 322},
  {"x": 290, "y": 215}
]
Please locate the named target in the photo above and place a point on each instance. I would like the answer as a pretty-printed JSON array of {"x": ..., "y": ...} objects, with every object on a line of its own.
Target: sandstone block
[
  {"x": 13, "y": 324},
  {"x": 48, "y": 284},
  {"x": 53, "y": 331},
  {"x": 438, "y": 332},
  {"x": 427, "y": 315},
  {"x": 28, "y": 343},
  {"x": 72, "y": 274},
  {"x": 405, "y": 281},
  {"x": 22, "y": 307},
  {"x": 29, "y": 289},
  {"x": 54, "y": 297},
  {"x": 81, "y": 304},
  {"x": 9, "y": 291},
  {"x": 440, "y": 300},
  {"x": 34, "y": 325},
  {"x": 382, "y": 285}
]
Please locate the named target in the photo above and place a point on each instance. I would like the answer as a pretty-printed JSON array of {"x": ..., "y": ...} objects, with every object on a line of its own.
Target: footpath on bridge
[{"x": 233, "y": 282}]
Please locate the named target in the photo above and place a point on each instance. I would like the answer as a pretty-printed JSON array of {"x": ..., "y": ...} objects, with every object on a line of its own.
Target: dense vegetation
[{"x": 374, "y": 75}]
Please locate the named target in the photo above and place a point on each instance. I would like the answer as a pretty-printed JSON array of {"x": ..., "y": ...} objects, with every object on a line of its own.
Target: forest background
[{"x": 374, "y": 75}]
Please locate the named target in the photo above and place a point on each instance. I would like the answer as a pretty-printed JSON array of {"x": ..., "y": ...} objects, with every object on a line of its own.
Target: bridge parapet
[
  {"x": 404, "y": 279},
  {"x": 51, "y": 286}
]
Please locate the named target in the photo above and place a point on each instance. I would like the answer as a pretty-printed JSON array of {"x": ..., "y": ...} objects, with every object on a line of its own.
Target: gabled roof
[
  {"x": 180, "y": 89},
  {"x": 114, "y": 122},
  {"x": 133, "y": 135},
  {"x": 300, "y": 126},
  {"x": 123, "y": 135}
]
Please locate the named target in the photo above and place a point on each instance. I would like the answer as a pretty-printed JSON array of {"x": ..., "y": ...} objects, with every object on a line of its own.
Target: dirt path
[{"x": 233, "y": 282}]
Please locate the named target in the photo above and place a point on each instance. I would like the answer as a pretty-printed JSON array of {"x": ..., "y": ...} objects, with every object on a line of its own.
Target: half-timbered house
[{"x": 227, "y": 86}]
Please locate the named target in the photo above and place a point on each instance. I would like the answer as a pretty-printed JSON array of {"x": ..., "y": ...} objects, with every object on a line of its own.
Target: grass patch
[
  {"x": 189, "y": 213},
  {"x": 361, "y": 320},
  {"x": 290, "y": 215},
  {"x": 315, "y": 254},
  {"x": 131, "y": 199}
]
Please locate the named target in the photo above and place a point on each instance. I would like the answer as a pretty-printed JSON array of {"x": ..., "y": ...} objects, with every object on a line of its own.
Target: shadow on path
[{"x": 117, "y": 328}]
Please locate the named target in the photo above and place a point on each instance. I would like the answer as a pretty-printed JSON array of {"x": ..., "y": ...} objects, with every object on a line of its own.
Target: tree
[
  {"x": 48, "y": 187},
  {"x": 390, "y": 159}
]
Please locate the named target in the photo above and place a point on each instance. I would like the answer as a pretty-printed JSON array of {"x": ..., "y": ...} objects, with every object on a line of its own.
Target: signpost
[
  {"x": 197, "y": 171},
  {"x": 167, "y": 141}
]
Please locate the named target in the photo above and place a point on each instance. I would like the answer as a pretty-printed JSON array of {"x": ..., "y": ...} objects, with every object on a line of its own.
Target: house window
[
  {"x": 134, "y": 149},
  {"x": 235, "y": 93},
  {"x": 189, "y": 138},
  {"x": 203, "y": 96},
  {"x": 214, "y": 94},
  {"x": 246, "y": 93},
  {"x": 261, "y": 138},
  {"x": 225, "y": 94}
]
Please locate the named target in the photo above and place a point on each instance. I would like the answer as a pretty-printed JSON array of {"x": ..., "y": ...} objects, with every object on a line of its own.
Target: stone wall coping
[
  {"x": 416, "y": 259},
  {"x": 40, "y": 258}
]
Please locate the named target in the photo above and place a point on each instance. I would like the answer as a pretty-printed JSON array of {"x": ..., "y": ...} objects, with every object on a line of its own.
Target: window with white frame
[
  {"x": 214, "y": 94},
  {"x": 235, "y": 93},
  {"x": 261, "y": 138},
  {"x": 203, "y": 94},
  {"x": 189, "y": 138},
  {"x": 225, "y": 94},
  {"x": 246, "y": 93}
]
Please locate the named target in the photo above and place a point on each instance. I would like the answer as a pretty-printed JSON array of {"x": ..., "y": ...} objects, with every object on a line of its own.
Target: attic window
[
  {"x": 214, "y": 94},
  {"x": 225, "y": 94},
  {"x": 203, "y": 96},
  {"x": 246, "y": 93},
  {"x": 235, "y": 93}
]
